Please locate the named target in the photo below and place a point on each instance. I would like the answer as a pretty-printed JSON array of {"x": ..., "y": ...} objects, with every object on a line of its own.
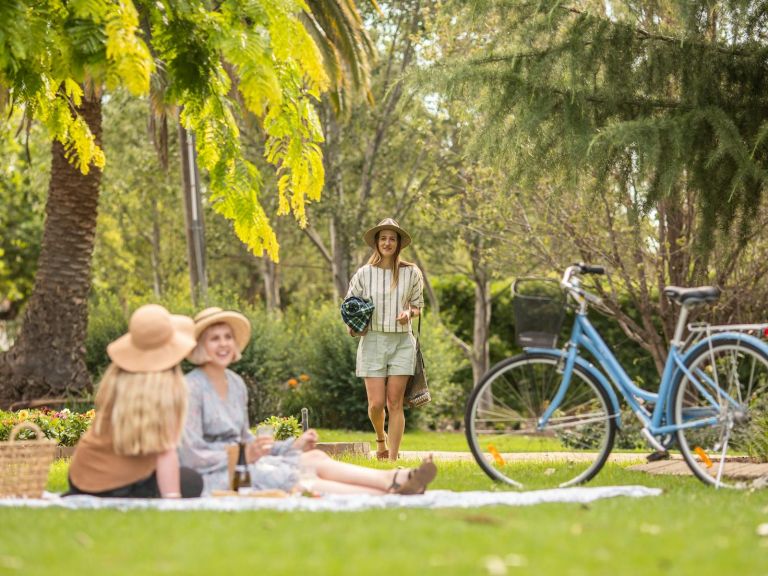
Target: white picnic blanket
[{"x": 340, "y": 503}]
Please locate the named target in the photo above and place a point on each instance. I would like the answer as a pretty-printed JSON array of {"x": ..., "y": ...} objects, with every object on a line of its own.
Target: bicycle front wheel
[
  {"x": 512, "y": 446},
  {"x": 722, "y": 408}
]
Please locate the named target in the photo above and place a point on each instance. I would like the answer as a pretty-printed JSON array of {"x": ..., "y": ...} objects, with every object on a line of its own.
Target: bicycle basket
[{"x": 539, "y": 308}]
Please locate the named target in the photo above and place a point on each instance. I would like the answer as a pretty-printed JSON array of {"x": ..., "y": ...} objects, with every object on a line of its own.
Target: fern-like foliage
[
  {"x": 680, "y": 87},
  {"x": 261, "y": 49},
  {"x": 50, "y": 48},
  {"x": 207, "y": 50}
]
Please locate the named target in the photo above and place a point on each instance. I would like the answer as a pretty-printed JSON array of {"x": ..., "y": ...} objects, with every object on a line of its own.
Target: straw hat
[
  {"x": 241, "y": 327},
  {"x": 387, "y": 224},
  {"x": 156, "y": 341}
]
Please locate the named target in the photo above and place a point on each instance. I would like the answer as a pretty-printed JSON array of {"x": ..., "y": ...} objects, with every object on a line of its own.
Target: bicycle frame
[{"x": 659, "y": 421}]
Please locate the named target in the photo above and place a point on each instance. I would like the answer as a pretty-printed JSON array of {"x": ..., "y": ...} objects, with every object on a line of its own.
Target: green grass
[
  {"x": 690, "y": 529},
  {"x": 417, "y": 441}
]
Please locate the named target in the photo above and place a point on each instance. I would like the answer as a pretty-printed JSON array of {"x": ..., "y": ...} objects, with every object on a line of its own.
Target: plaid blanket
[{"x": 356, "y": 313}]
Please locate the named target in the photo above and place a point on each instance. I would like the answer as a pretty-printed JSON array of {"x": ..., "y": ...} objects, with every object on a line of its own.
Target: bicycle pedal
[{"x": 658, "y": 455}]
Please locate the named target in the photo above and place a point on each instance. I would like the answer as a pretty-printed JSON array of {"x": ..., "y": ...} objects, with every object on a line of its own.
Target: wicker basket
[{"x": 24, "y": 464}]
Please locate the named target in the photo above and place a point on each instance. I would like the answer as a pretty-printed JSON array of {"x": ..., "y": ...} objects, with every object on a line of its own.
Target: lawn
[{"x": 690, "y": 529}]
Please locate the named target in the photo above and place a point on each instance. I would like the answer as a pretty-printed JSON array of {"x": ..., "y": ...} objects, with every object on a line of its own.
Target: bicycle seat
[{"x": 696, "y": 295}]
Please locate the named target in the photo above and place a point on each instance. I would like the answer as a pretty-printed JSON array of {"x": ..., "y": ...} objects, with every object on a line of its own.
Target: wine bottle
[{"x": 242, "y": 476}]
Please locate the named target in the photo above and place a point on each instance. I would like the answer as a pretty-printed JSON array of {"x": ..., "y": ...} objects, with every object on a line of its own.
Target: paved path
[
  {"x": 674, "y": 466},
  {"x": 518, "y": 456}
]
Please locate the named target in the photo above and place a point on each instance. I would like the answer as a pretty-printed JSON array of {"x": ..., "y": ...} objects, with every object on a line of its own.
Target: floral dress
[{"x": 214, "y": 423}]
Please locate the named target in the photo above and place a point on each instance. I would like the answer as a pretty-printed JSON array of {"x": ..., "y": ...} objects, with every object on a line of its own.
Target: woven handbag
[
  {"x": 416, "y": 391},
  {"x": 24, "y": 464}
]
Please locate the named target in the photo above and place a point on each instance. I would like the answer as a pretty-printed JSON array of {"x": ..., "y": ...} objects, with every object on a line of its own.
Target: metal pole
[{"x": 193, "y": 216}]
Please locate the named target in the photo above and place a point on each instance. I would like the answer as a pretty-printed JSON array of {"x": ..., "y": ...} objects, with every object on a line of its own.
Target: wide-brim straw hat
[
  {"x": 156, "y": 341},
  {"x": 241, "y": 327},
  {"x": 387, "y": 224}
]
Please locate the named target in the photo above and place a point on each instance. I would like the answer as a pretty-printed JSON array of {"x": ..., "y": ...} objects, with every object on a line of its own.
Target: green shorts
[{"x": 382, "y": 354}]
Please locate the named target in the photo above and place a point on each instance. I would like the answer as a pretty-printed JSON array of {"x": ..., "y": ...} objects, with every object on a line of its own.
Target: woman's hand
[
  {"x": 306, "y": 441},
  {"x": 356, "y": 334},
  {"x": 261, "y": 446},
  {"x": 404, "y": 317}
]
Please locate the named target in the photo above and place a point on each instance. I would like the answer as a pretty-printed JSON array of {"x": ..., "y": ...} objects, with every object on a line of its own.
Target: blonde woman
[
  {"x": 218, "y": 418},
  {"x": 386, "y": 355},
  {"x": 141, "y": 402}
]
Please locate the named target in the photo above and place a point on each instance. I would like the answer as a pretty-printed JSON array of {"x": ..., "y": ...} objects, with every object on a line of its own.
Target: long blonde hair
[
  {"x": 376, "y": 257},
  {"x": 146, "y": 409}
]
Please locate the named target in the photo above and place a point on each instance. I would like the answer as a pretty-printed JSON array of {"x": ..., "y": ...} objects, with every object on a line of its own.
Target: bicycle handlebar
[
  {"x": 589, "y": 268},
  {"x": 574, "y": 288}
]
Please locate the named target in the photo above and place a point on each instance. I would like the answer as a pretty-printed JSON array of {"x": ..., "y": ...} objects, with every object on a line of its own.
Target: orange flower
[
  {"x": 304, "y": 377},
  {"x": 292, "y": 383}
]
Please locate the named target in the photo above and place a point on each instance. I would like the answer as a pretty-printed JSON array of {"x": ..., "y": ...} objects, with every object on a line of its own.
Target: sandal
[
  {"x": 417, "y": 481},
  {"x": 382, "y": 454}
]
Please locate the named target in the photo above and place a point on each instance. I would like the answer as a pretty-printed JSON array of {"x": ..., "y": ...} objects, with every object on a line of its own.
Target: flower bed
[{"x": 64, "y": 426}]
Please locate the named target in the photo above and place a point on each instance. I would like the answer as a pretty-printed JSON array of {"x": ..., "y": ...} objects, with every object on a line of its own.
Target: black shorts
[{"x": 191, "y": 487}]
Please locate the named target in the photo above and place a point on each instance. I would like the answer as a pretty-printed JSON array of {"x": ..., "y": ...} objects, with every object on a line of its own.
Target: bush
[
  {"x": 331, "y": 392},
  {"x": 304, "y": 359},
  {"x": 65, "y": 427},
  {"x": 285, "y": 427},
  {"x": 443, "y": 362}
]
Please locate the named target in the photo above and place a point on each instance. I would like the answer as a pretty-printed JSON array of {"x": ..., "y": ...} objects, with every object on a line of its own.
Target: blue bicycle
[{"x": 548, "y": 417}]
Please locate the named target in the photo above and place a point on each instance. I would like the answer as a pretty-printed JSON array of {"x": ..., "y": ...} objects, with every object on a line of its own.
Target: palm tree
[{"x": 56, "y": 61}]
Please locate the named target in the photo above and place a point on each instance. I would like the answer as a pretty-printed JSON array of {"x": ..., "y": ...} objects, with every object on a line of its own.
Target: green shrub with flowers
[
  {"x": 285, "y": 427},
  {"x": 63, "y": 426}
]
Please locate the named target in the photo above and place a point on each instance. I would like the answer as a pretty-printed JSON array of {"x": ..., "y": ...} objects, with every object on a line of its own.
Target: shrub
[
  {"x": 285, "y": 427},
  {"x": 267, "y": 364},
  {"x": 64, "y": 426},
  {"x": 443, "y": 363},
  {"x": 334, "y": 396}
]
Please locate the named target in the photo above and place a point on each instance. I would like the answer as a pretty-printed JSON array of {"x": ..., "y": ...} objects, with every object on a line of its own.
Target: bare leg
[
  {"x": 331, "y": 487},
  {"x": 395, "y": 393},
  {"x": 376, "y": 387},
  {"x": 331, "y": 470}
]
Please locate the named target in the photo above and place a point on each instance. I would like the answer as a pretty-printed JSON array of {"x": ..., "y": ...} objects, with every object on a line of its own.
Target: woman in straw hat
[
  {"x": 131, "y": 449},
  {"x": 218, "y": 418},
  {"x": 386, "y": 355}
]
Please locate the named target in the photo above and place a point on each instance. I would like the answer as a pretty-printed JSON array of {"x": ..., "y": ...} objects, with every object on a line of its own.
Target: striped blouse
[{"x": 374, "y": 283}]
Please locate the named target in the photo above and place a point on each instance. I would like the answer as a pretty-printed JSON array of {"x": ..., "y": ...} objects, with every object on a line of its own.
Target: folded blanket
[{"x": 343, "y": 503}]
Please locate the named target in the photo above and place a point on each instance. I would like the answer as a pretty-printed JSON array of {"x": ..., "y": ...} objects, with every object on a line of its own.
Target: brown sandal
[
  {"x": 382, "y": 454},
  {"x": 418, "y": 479}
]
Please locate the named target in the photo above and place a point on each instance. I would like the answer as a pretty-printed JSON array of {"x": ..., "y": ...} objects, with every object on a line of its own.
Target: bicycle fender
[
  {"x": 756, "y": 342},
  {"x": 589, "y": 367}
]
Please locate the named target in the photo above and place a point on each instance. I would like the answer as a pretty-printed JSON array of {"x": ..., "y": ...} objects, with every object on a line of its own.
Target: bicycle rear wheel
[
  {"x": 716, "y": 452},
  {"x": 503, "y": 432}
]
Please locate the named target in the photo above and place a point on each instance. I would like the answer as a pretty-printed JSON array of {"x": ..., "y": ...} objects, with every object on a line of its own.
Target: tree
[
  {"x": 56, "y": 58},
  {"x": 651, "y": 121},
  {"x": 368, "y": 153}
]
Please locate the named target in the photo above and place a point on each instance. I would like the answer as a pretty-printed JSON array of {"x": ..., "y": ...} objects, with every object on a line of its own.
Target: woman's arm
[
  {"x": 167, "y": 474},
  {"x": 195, "y": 451}
]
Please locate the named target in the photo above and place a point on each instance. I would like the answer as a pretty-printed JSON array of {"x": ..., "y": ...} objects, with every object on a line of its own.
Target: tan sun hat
[
  {"x": 241, "y": 327},
  {"x": 387, "y": 224},
  {"x": 156, "y": 341}
]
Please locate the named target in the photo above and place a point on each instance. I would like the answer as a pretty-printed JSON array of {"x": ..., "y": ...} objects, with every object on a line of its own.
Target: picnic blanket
[{"x": 341, "y": 503}]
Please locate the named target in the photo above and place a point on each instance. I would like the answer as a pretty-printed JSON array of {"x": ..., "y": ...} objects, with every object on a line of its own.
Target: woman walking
[{"x": 386, "y": 355}]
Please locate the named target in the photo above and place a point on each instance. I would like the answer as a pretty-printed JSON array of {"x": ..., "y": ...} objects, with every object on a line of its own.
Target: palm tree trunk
[{"x": 49, "y": 355}]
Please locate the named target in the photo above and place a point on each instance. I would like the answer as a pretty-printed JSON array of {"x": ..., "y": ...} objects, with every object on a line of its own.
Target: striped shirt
[{"x": 374, "y": 283}]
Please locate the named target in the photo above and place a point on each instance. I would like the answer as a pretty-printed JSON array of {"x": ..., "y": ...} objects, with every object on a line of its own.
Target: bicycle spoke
[{"x": 503, "y": 420}]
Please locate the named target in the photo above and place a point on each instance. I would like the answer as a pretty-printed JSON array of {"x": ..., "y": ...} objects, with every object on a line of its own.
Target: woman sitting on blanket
[
  {"x": 218, "y": 418},
  {"x": 131, "y": 449}
]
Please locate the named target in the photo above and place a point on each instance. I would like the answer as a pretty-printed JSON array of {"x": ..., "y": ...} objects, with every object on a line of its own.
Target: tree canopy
[
  {"x": 671, "y": 96},
  {"x": 214, "y": 59}
]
